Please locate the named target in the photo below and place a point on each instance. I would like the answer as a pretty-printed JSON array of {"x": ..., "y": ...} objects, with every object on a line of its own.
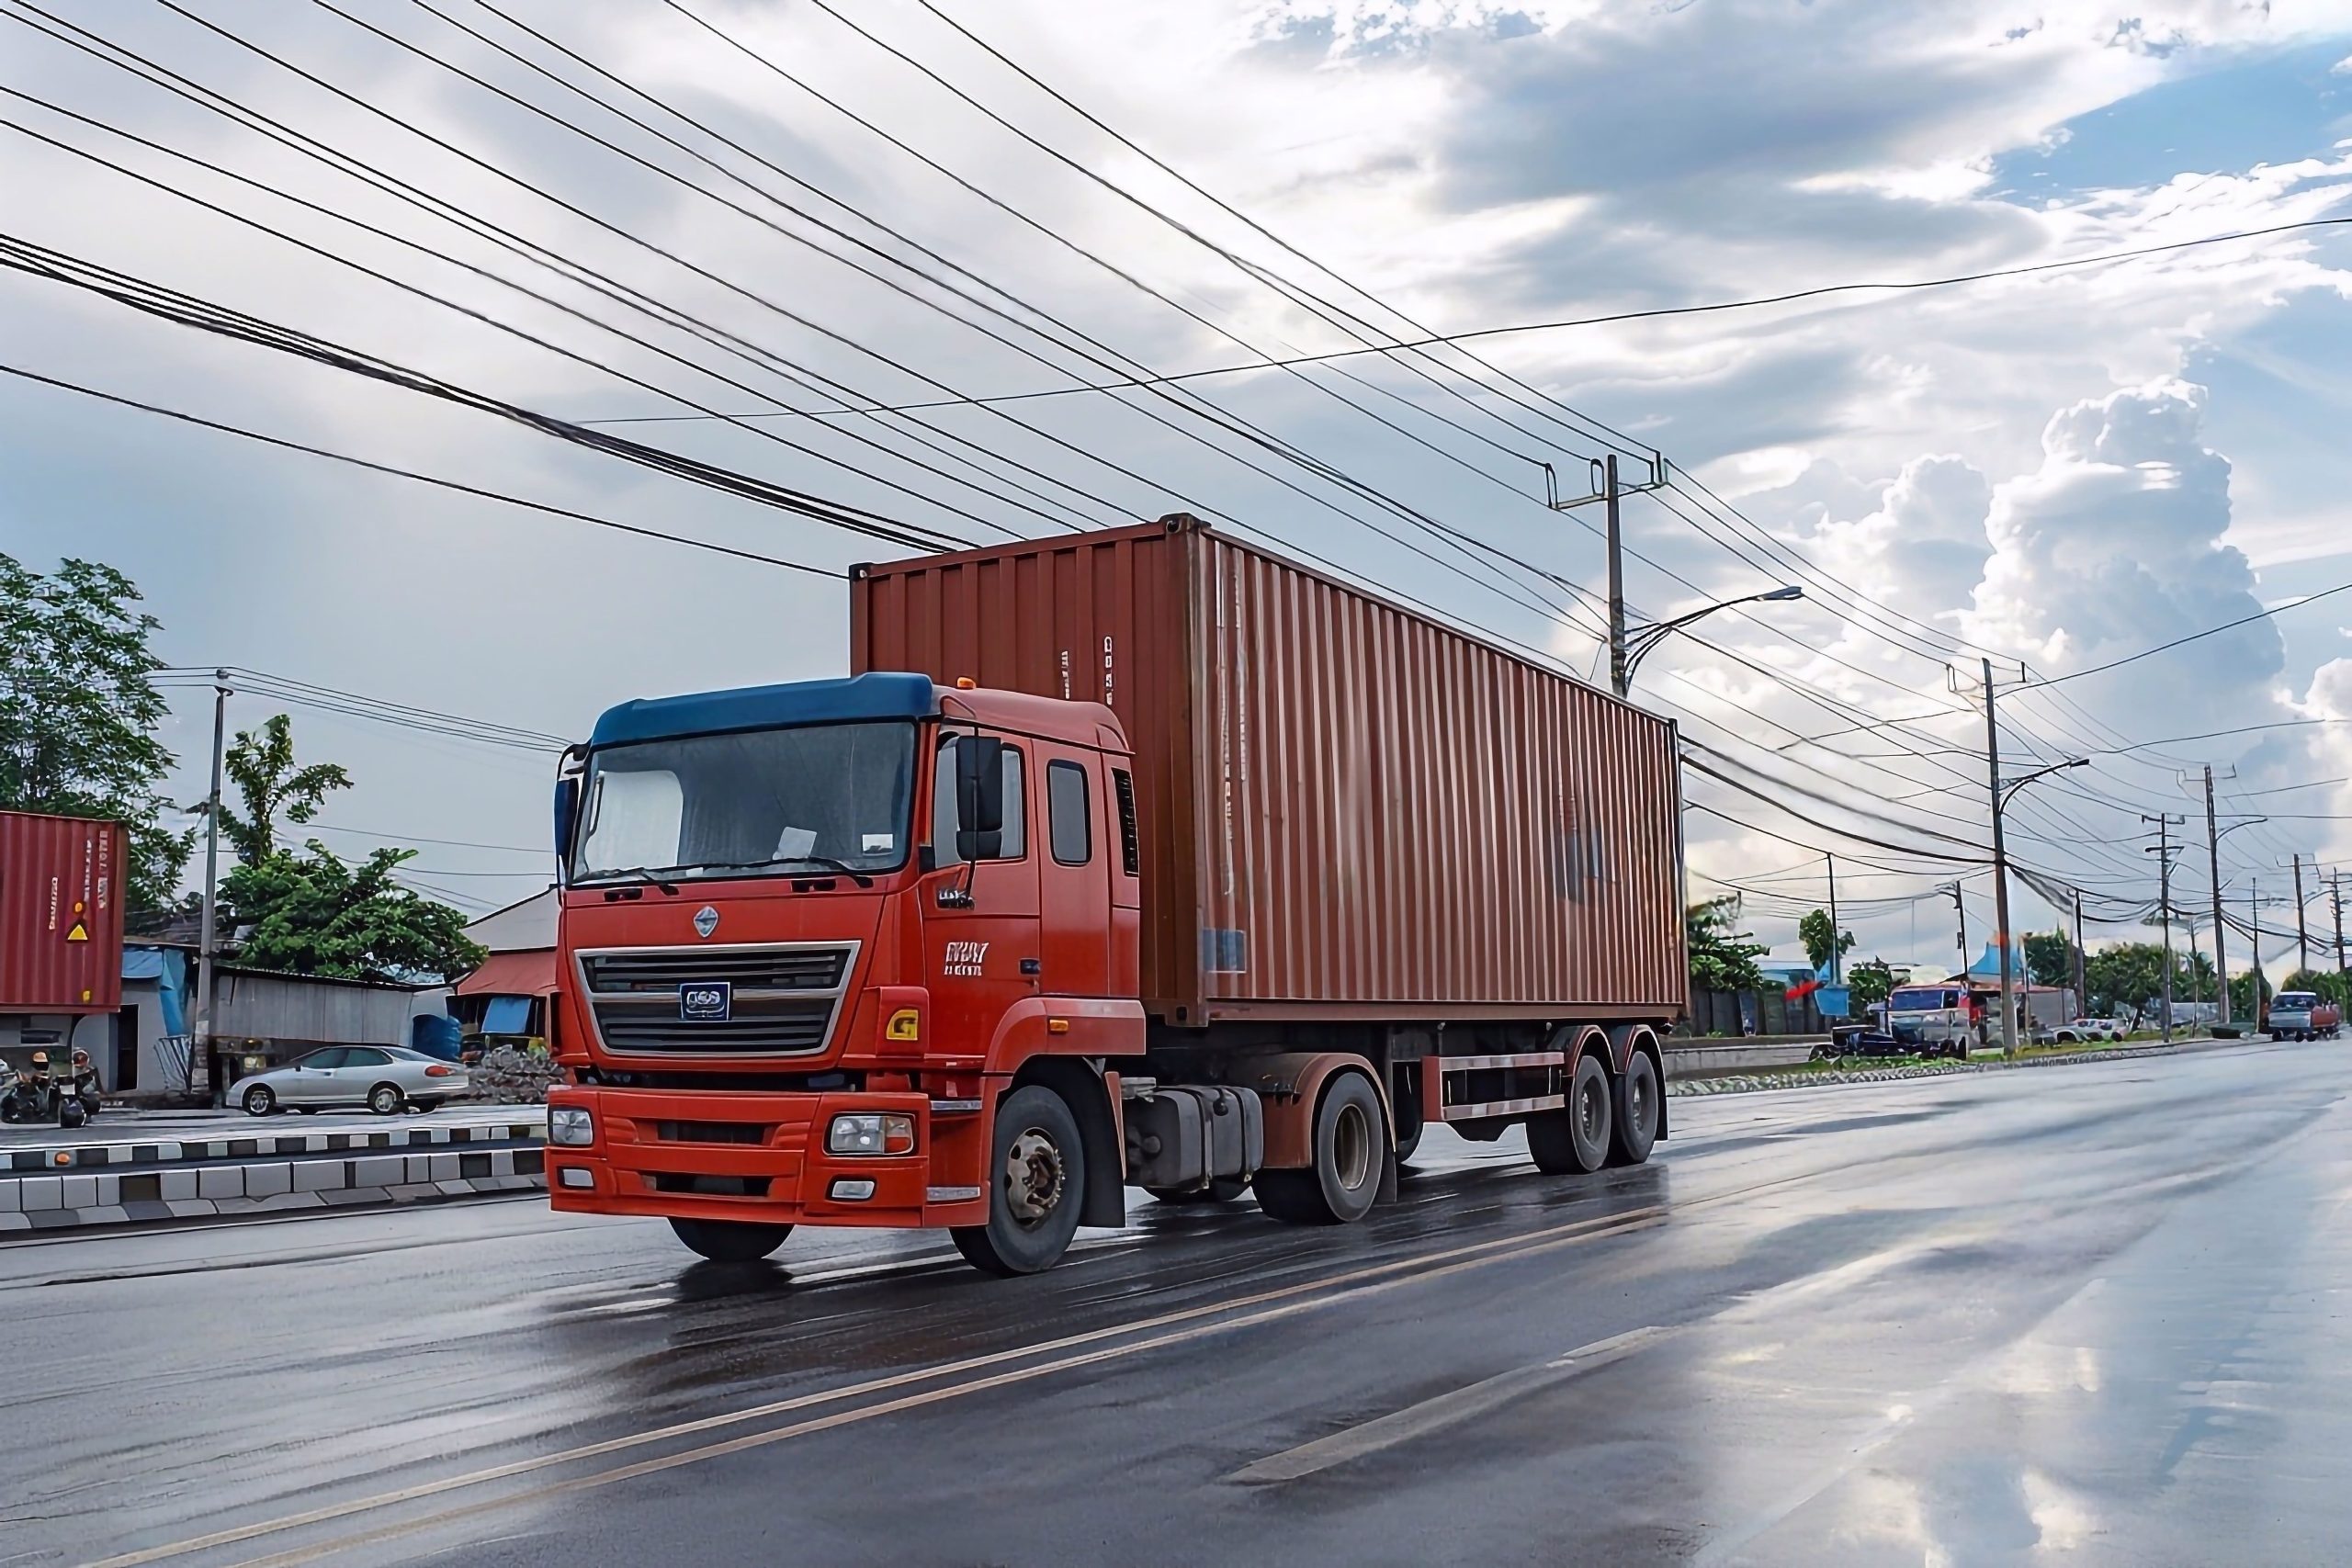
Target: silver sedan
[{"x": 384, "y": 1078}]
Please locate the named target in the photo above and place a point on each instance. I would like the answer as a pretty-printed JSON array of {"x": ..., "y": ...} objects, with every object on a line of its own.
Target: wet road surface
[{"x": 2092, "y": 1314}]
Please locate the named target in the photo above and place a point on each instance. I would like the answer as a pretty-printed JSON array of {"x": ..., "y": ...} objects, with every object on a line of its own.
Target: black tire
[
  {"x": 386, "y": 1099},
  {"x": 1350, "y": 1155},
  {"x": 730, "y": 1241},
  {"x": 1633, "y": 1128},
  {"x": 1407, "y": 1142},
  {"x": 1038, "y": 1185},
  {"x": 1220, "y": 1189},
  {"x": 259, "y": 1101},
  {"x": 70, "y": 1112},
  {"x": 1575, "y": 1141}
]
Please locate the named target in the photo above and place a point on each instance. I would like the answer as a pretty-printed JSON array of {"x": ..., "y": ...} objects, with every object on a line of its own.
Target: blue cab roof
[{"x": 876, "y": 694}]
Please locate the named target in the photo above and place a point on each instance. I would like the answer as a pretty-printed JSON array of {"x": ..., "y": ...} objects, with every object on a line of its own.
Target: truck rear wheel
[
  {"x": 1634, "y": 1131},
  {"x": 730, "y": 1241},
  {"x": 1039, "y": 1184},
  {"x": 1351, "y": 1153},
  {"x": 1574, "y": 1141}
]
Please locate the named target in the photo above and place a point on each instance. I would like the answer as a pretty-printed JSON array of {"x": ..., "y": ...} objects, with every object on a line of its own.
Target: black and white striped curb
[
  {"x": 1750, "y": 1083},
  {"x": 54, "y": 1158},
  {"x": 253, "y": 1187}
]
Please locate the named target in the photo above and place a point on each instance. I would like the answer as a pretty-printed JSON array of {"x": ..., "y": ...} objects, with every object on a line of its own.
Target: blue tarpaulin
[
  {"x": 508, "y": 1015},
  {"x": 168, "y": 967}
]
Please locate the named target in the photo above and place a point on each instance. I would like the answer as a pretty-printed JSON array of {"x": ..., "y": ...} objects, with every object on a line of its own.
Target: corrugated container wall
[
  {"x": 61, "y": 914},
  {"x": 1349, "y": 810}
]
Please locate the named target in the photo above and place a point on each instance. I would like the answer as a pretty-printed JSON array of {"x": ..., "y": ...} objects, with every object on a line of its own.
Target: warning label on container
[{"x": 77, "y": 932}]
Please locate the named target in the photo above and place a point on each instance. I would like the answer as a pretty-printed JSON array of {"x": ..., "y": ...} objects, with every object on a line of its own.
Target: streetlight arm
[
  {"x": 2013, "y": 785},
  {"x": 1644, "y": 639}
]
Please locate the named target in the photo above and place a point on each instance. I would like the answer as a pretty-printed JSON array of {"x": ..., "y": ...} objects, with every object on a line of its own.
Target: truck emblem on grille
[
  {"x": 706, "y": 1001},
  {"x": 705, "y": 921}
]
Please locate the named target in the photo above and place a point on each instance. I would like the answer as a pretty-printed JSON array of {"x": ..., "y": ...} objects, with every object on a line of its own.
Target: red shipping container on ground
[
  {"x": 1351, "y": 811},
  {"x": 60, "y": 913}
]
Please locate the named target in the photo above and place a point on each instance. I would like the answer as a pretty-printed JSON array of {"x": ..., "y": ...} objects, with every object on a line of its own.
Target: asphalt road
[{"x": 2091, "y": 1313}]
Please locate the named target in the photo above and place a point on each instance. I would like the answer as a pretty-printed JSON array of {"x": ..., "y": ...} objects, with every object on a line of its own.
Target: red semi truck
[{"x": 1141, "y": 858}]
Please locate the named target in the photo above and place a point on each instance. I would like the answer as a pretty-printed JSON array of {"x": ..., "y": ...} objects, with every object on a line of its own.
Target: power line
[
  {"x": 2192, "y": 636},
  {"x": 1451, "y": 339},
  {"x": 454, "y": 485}
]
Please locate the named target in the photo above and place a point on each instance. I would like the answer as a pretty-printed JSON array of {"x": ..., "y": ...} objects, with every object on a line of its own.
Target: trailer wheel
[
  {"x": 1634, "y": 1131},
  {"x": 1575, "y": 1141},
  {"x": 730, "y": 1241},
  {"x": 1039, "y": 1185},
  {"x": 1351, "y": 1153}
]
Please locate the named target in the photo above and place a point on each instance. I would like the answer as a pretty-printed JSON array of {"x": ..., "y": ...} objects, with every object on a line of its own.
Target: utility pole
[
  {"x": 2213, "y": 860},
  {"x": 2000, "y": 871},
  {"x": 200, "y": 1048},
  {"x": 2253, "y": 941},
  {"x": 2336, "y": 892},
  {"x": 2082, "y": 959},
  {"x": 2162, "y": 850},
  {"x": 1837, "y": 970},
  {"x": 2302, "y": 926},
  {"x": 1620, "y": 673},
  {"x": 1961, "y": 910}
]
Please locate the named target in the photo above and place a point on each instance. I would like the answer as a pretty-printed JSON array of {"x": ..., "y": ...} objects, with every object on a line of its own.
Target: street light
[
  {"x": 1635, "y": 646},
  {"x": 2002, "y": 791}
]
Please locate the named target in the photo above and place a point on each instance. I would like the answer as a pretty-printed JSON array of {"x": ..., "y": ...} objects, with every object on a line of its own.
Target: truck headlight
[
  {"x": 570, "y": 1126},
  {"x": 871, "y": 1135}
]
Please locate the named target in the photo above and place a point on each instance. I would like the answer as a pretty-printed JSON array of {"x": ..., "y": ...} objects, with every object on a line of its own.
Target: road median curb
[
  {"x": 1754, "y": 1083},
  {"x": 68, "y": 1198}
]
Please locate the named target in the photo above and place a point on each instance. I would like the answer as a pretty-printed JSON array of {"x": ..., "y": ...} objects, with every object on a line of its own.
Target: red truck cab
[{"x": 812, "y": 935}]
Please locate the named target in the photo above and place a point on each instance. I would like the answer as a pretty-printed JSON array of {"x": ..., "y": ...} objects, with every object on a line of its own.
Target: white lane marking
[{"x": 1465, "y": 1404}]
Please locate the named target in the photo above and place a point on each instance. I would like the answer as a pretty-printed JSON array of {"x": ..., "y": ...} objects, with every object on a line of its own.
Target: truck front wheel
[
  {"x": 730, "y": 1241},
  {"x": 1351, "y": 1153},
  {"x": 1039, "y": 1172}
]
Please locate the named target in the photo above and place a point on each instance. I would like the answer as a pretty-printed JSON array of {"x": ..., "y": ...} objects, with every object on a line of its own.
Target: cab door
[
  {"x": 979, "y": 903},
  {"x": 1073, "y": 880}
]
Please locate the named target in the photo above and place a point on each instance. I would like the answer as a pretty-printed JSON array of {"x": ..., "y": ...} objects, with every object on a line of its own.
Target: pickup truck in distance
[
  {"x": 1139, "y": 858},
  {"x": 2304, "y": 1015}
]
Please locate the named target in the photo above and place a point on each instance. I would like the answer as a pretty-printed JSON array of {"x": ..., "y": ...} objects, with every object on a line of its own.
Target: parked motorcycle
[{"x": 34, "y": 1095}]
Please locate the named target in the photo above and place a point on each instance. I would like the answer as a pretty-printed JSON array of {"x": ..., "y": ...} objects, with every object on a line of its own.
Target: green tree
[
  {"x": 79, "y": 713},
  {"x": 1722, "y": 959},
  {"x": 315, "y": 914},
  {"x": 1869, "y": 982},
  {"x": 1814, "y": 932},
  {"x": 2241, "y": 1008},
  {"x": 261, "y": 767},
  {"x": 2049, "y": 958}
]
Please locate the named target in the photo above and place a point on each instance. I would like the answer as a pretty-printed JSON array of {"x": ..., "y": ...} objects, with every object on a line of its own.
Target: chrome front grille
[{"x": 786, "y": 997}]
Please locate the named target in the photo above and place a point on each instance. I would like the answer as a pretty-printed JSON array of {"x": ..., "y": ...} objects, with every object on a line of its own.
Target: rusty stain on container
[
  {"x": 1350, "y": 810},
  {"x": 60, "y": 913}
]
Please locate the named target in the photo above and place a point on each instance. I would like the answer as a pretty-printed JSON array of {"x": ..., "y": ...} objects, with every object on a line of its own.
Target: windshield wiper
[
  {"x": 621, "y": 878},
  {"x": 861, "y": 878}
]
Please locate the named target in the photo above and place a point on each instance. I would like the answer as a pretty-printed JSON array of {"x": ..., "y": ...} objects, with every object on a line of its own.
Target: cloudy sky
[{"x": 2062, "y": 469}]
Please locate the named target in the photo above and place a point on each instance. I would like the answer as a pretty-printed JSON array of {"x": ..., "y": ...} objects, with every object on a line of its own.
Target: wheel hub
[
  {"x": 1034, "y": 1176},
  {"x": 1590, "y": 1107}
]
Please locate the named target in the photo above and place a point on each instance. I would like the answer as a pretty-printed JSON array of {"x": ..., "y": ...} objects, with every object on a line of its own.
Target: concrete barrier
[{"x": 1696, "y": 1059}]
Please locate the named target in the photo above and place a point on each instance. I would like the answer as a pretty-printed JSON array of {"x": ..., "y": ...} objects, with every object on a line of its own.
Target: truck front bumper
[{"x": 761, "y": 1157}]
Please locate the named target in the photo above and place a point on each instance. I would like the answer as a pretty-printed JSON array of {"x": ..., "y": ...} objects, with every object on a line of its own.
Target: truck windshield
[
  {"x": 2295, "y": 1001},
  {"x": 1919, "y": 999},
  {"x": 761, "y": 803}
]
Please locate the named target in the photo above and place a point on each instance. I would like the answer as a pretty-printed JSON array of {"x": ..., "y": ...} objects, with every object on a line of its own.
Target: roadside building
[{"x": 511, "y": 998}]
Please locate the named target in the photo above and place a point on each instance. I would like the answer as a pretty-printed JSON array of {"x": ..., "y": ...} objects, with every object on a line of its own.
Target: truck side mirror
[
  {"x": 979, "y": 796},
  {"x": 567, "y": 814}
]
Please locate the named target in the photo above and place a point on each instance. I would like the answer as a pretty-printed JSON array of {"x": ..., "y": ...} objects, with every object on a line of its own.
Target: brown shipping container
[
  {"x": 61, "y": 914},
  {"x": 1350, "y": 810}
]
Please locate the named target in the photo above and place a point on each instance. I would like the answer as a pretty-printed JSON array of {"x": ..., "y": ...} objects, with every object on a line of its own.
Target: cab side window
[
  {"x": 1067, "y": 813},
  {"x": 947, "y": 826}
]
